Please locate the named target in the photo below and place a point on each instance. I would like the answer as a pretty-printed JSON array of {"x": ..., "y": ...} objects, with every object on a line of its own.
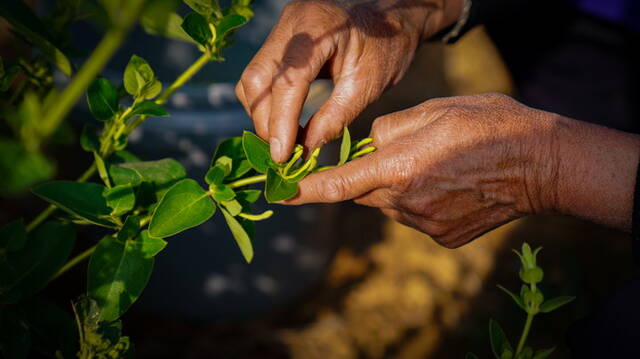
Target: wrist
[{"x": 596, "y": 173}]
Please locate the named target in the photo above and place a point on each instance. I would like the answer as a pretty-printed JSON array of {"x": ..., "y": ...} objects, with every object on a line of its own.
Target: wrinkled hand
[
  {"x": 364, "y": 46},
  {"x": 458, "y": 167}
]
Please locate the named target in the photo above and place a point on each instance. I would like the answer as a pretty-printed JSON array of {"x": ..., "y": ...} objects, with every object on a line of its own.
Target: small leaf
[
  {"x": 229, "y": 23},
  {"x": 149, "y": 108},
  {"x": 248, "y": 195},
  {"x": 499, "y": 342},
  {"x": 13, "y": 236},
  {"x": 543, "y": 353},
  {"x": 232, "y": 148},
  {"x": 196, "y": 26},
  {"x": 513, "y": 296},
  {"x": 203, "y": 7},
  {"x": 526, "y": 353},
  {"x": 89, "y": 140},
  {"x": 162, "y": 174},
  {"x": 345, "y": 147},
  {"x": 7, "y": 80},
  {"x": 221, "y": 169},
  {"x": 277, "y": 189},
  {"x": 241, "y": 235},
  {"x": 184, "y": 206},
  {"x": 555, "y": 303},
  {"x": 168, "y": 24},
  {"x": 223, "y": 193},
  {"x": 140, "y": 80},
  {"x": 80, "y": 199},
  {"x": 257, "y": 152},
  {"x": 102, "y": 98},
  {"x": 120, "y": 198},
  {"x": 129, "y": 229},
  {"x": 151, "y": 246},
  {"x": 118, "y": 272},
  {"x": 233, "y": 207}
]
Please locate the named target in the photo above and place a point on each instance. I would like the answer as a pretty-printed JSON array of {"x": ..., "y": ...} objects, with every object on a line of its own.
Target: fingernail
[{"x": 276, "y": 148}]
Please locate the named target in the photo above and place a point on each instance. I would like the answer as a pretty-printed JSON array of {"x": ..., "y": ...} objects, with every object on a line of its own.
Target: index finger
[{"x": 345, "y": 182}]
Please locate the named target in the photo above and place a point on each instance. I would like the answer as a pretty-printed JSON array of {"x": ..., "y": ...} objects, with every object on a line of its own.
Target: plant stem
[
  {"x": 525, "y": 333},
  {"x": 91, "y": 68},
  {"x": 49, "y": 210},
  {"x": 74, "y": 261},
  {"x": 247, "y": 181}
]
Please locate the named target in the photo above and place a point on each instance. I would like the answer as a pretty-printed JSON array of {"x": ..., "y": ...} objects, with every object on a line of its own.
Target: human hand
[
  {"x": 364, "y": 47},
  {"x": 455, "y": 168}
]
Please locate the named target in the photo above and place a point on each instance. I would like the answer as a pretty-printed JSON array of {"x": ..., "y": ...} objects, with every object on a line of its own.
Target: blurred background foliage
[{"x": 379, "y": 289}]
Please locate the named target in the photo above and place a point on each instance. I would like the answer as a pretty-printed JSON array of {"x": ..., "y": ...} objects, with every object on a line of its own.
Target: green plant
[
  {"x": 139, "y": 203},
  {"x": 532, "y": 302}
]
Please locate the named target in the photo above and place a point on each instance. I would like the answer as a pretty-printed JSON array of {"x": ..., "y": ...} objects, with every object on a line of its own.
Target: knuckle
[
  {"x": 254, "y": 76},
  {"x": 333, "y": 190},
  {"x": 379, "y": 128}
]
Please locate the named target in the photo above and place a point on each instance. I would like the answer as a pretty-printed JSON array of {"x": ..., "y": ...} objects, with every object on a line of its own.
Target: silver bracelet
[{"x": 462, "y": 21}]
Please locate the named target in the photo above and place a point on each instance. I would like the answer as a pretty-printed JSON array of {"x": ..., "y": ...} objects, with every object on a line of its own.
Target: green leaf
[
  {"x": 233, "y": 207},
  {"x": 240, "y": 233},
  {"x": 101, "y": 339},
  {"x": 232, "y": 148},
  {"x": 345, "y": 147},
  {"x": 229, "y": 23},
  {"x": 162, "y": 174},
  {"x": 543, "y": 353},
  {"x": 257, "y": 152},
  {"x": 197, "y": 27},
  {"x": 102, "y": 98},
  {"x": 499, "y": 342},
  {"x": 513, "y": 296},
  {"x": 277, "y": 189},
  {"x": 526, "y": 353},
  {"x": 7, "y": 79},
  {"x": 139, "y": 79},
  {"x": 120, "y": 199},
  {"x": 129, "y": 229},
  {"x": 248, "y": 195},
  {"x": 28, "y": 270},
  {"x": 148, "y": 108},
  {"x": 118, "y": 272},
  {"x": 172, "y": 28},
  {"x": 25, "y": 22},
  {"x": 223, "y": 193},
  {"x": 203, "y": 7},
  {"x": 120, "y": 157},
  {"x": 14, "y": 334},
  {"x": 184, "y": 206},
  {"x": 221, "y": 169},
  {"x": 20, "y": 168},
  {"x": 84, "y": 200},
  {"x": 89, "y": 140},
  {"x": 13, "y": 236},
  {"x": 151, "y": 246},
  {"x": 555, "y": 303}
]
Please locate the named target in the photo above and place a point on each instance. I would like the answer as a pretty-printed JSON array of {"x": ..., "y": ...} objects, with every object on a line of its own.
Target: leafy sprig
[{"x": 532, "y": 302}]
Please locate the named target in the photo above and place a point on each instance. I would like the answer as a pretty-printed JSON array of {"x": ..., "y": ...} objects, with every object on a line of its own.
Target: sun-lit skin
[
  {"x": 363, "y": 46},
  {"x": 452, "y": 168},
  {"x": 457, "y": 167}
]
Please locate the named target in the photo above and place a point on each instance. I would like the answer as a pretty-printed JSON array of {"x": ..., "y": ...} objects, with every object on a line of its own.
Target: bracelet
[
  {"x": 454, "y": 33},
  {"x": 468, "y": 19}
]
